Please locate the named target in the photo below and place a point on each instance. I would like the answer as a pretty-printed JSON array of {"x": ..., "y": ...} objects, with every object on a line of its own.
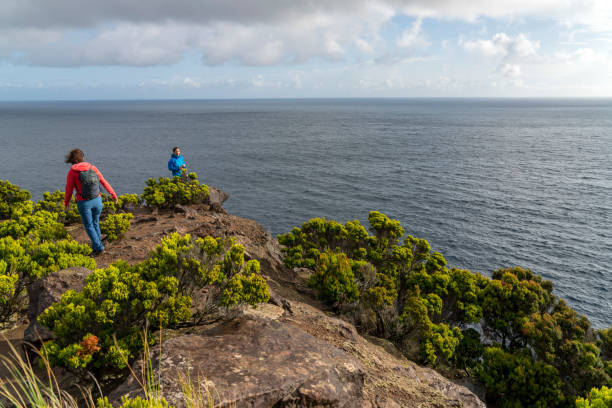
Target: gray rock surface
[
  {"x": 46, "y": 291},
  {"x": 256, "y": 361},
  {"x": 216, "y": 196}
]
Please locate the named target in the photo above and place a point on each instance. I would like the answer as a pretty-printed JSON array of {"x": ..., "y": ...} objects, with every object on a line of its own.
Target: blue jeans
[{"x": 90, "y": 215}]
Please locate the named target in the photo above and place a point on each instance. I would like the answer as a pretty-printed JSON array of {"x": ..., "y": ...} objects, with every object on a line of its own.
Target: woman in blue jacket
[{"x": 176, "y": 163}]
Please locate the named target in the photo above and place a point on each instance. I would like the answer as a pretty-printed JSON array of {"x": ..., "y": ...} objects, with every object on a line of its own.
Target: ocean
[{"x": 489, "y": 183}]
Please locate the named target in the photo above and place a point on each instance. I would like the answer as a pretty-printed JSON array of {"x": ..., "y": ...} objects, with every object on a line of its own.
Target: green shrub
[
  {"x": 334, "y": 278},
  {"x": 167, "y": 193},
  {"x": 115, "y": 225},
  {"x": 116, "y": 301},
  {"x": 13, "y": 200},
  {"x": 246, "y": 287},
  {"x": 136, "y": 402},
  {"x": 54, "y": 203},
  {"x": 43, "y": 225},
  {"x": 123, "y": 202},
  {"x": 24, "y": 260},
  {"x": 119, "y": 302},
  {"x": 410, "y": 296},
  {"x": 598, "y": 398},
  {"x": 516, "y": 380}
]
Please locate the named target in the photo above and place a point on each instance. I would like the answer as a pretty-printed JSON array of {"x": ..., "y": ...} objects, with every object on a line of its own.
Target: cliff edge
[{"x": 287, "y": 353}]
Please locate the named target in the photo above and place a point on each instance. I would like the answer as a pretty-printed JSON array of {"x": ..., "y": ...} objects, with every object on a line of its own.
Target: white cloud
[
  {"x": 581, "y": 56},
  {"x": 509, "y": 51},
  {"x": 510, "y": 70},
  {"x": 254, "y": 32},
  {"x": 191, "y": 83},
  {"x": 503, "y": 45},
  {"x": 303, "y": 37},
  {"x": 364, "y": 45},
  {"x": 412, "y": 36}
]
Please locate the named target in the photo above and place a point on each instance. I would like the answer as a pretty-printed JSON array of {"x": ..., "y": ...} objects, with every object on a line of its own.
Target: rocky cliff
[{"x": 288, "y": 353}]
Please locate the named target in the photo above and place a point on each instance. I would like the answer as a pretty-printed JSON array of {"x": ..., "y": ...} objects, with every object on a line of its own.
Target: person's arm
[
  {"x": 105, "y": 183},
  {"x": 69, "y": 188}
]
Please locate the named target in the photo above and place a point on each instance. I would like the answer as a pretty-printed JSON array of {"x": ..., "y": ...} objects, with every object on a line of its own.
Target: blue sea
[{"x": 489, "y": 183}]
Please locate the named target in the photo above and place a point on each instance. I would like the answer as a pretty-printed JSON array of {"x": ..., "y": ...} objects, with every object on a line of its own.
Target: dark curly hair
[{"x": 75, "y": 156}]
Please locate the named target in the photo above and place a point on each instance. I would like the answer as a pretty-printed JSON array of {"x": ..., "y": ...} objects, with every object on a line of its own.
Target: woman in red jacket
[{"x": 86, "y": 179}]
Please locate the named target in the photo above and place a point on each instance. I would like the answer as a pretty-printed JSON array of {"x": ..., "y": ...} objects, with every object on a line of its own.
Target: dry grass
[{"x": 24, "y": 388}]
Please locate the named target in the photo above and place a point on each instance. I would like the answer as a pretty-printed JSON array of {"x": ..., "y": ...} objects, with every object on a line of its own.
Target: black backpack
[{"x": 90, "y": 185}]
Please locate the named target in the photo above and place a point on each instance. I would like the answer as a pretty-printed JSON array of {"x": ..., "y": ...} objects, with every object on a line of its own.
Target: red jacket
[{"x": 73, "y": 182}]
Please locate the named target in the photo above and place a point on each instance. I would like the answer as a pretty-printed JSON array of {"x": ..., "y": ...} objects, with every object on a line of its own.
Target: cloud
[
  {"x": 297, "y": 39},
  {"x": 412, "y": 36},
  {"x": 254, "y": 32},
  {"x": 510, "y": 70},
  {"x": 504, "y": 45},
  {"x": 509, "y": 51},
  {"x": 88, "y": 13}
]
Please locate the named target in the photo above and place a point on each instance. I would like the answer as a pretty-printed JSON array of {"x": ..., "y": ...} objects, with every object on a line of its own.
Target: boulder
[
  {"x": 216, "y": 196},
  {"x": 46, "y": 291},
  {"x": 390, "y": 379},
  {"x": 256, "y": 361},
  {"x": 258, "y": 243}
]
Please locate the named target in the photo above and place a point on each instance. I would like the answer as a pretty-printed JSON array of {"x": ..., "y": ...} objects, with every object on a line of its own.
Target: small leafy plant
[
  {"x": 123, "y": 203},
  {"x": 167, "y": 193},
  {"x": 116, "y": 225},
  {"x": 42, "y": 224},
  {"x": 54, "y": 203},
  {"x": 24, "y": 260},
  {"x": 120, "y": 301},
  {"x": 13, "y": 200}
]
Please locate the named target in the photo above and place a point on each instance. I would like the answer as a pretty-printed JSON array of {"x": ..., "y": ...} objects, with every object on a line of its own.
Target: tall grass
[{"x": 24, "y": 388}]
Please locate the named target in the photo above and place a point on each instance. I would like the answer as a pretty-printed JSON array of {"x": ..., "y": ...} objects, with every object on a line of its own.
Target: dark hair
[
  {"x": 75, "y": 156},
  {"x": 174, "y": 149}
]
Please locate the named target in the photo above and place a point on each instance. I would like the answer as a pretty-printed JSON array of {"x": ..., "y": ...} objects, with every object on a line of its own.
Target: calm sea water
[{"x": 489, "y": 183}]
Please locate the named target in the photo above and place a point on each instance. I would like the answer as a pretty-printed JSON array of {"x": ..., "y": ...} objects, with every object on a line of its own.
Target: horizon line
[{"x": 316, "y": 98}]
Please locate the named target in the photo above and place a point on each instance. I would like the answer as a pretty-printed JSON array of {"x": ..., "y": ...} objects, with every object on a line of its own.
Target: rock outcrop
[
  {"x": 288, "y": 353},
  {"x": 254, "y": 361},
  {"x": 46, "y": 291}
]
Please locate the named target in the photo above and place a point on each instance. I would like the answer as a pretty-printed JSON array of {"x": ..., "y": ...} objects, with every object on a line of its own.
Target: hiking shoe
[{"x": 96, "y": 253}]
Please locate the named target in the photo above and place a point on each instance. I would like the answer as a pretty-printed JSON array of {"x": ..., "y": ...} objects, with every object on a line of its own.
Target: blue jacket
[{"x": 175, "y": 163}]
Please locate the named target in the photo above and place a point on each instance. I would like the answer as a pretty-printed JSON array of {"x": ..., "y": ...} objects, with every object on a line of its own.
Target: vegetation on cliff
[
  {"x": 35, "y": 242},
  {"x": 101, "y": 325},
  {"x": 524, "y": 344},
  {"x": 168, "y": 192},
  {"x": 32, "y": 246}
]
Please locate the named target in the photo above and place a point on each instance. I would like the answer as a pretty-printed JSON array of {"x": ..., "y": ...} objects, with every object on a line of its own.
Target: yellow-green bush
[
  {"x": 12, "y": 200},
  {"x": 598, "y": 398},
  {"x": 54, "y": 203},
  {"x": 334, "y": 278},
  {"x": 115, "y": 225},
  {"x": 42, "y": 224},
  {"x": 119, "y": 302},
  {"x": 136, "y": 402},
  {"x": 24, "y": 260},
  {"x": 123, "y": 202},
  {"x": 167, "y": 193},
  {"x": 524, "y": 344}
]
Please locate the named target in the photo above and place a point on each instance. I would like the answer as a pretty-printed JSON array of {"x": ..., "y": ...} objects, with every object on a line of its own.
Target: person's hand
[
  {"x": 116, "y": 200},
  {"x": 66, "y": 208},
  {"x": 183, "y": 166}
]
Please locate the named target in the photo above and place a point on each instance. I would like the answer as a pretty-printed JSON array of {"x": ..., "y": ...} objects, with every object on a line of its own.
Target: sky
[{"x": 209, "y": 49}]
